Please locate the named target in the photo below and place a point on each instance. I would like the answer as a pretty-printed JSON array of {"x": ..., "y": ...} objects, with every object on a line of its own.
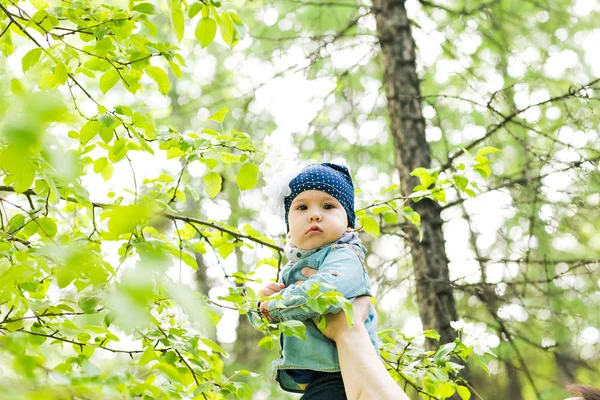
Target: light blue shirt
[{"x": 339, "y": 265}]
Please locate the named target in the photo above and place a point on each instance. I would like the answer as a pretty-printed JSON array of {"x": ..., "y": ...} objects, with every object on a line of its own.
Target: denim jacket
[{"x": 339, "y": 265}]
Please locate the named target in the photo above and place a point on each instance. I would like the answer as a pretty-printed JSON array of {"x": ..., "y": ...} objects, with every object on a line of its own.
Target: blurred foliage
[
  {"x": 92, "y": 299},
  {"x": 513, "y": 75},
  {"x": 88, "y": 303}
]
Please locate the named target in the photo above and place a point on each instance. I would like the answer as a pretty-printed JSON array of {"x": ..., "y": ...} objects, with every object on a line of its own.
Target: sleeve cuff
[{"x": 275, "y": 314}]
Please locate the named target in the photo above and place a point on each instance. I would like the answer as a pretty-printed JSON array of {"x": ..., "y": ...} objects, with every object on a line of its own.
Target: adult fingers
[{"x": 308, "y": 272}]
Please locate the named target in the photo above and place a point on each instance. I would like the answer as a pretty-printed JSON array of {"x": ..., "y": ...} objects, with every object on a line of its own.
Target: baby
[{"x": 319, "y": 214}]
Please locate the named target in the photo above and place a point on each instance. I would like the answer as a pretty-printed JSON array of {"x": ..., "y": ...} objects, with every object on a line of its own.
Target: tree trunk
[{"x": 434, "y": 293}]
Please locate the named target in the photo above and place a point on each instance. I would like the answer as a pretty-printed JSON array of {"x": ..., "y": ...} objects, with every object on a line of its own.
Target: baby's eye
[
  {"x": 328, "y": 206},
  {"x": 301, "y": 207}
]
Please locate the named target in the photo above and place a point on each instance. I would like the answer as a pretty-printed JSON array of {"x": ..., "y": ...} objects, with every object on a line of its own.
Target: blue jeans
[{"x": 327, "y": 386}]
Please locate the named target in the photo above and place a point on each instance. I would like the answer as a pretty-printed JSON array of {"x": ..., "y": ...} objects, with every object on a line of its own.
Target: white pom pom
[{"x": 279, "y": 188}]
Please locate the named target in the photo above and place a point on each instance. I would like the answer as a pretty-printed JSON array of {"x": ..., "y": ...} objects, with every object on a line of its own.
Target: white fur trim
[{"x": 279, "y": 188}]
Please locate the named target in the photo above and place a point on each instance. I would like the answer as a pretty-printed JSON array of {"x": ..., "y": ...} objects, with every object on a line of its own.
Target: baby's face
[{"x": 316, "y": 219}]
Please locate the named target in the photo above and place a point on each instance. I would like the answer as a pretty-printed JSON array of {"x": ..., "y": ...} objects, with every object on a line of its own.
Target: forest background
[{"x": 135, "y": 138}]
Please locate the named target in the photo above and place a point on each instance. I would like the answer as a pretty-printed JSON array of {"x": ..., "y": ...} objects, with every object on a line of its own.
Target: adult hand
[{"x": 337, "y": 324}]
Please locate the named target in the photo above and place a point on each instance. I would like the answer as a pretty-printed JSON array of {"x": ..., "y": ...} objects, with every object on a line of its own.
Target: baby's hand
[
  {"x": 264, "y": 310},
  {"x": 267, "y": 291},
  {"x": 270, "y": 289}
]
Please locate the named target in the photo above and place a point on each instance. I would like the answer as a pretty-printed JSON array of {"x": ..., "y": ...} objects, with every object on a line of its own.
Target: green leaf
[
  {"x": 106, "y": 133},
  {"x": 147, "y": 356},
  {"x": 425, "y": 176},
  {"x": 88, "y": 131},
  {"x": 124, "y": 219},
  {"x": 84, "y": 337},
  {"x": 15, "y": 223},
  {"x": 293, "y": 328},
  {"x": 176, "y": 69},
  {"x": 171, "y": 357},
  {"x": 177, "y": 19},
  {"x": 482, "y": 160},
  {"x": 88, "y": 304},
  {"x": 481, "y": 363},
  {"x": 160, "y": 77},
  {"x": 227, "y": 28},
  {"x": 39, "y": 4},
  {"x": 17, "y": 87},
  {"x": 228, "y": 158},
  {"x": 123, "y": 110},
  {"x": 99, "y": 164},
  {"x": 213, "y": 346},
  {"x": 370, "y": 225},
  {"x": 439, "y": 195},
  {"x": 24, "y": 177},
  {"x": 483, "y": 170},
  {"x": 466, "y": 152},
  {"x": 461, "y": 182},
  {"x": 194, "y": 9},
  {"x": 247, "y": 178},
  {"x": 206, "y": 30},
  {"x": 390, "y": 217},
  {"x": 430, "y": 333},
  {"x": 145, "y": 8},
  {"x": 487, "y": 150},
  {"x": 210, "y": 131},
  {"x": 447, "y": 390},
  {"x": 47, "y": 81},
  {"x": 108, "y": 80},
  {"x": 60, "y": 73},
  {"x": 266, "y": 342},
  {"x": 30, "y": 229},
  {"x": 392, "y": 188},
  {"x": 225, "y": 249},
  {"x": 219, "y": 115},
  {"x": 107, "y": 120},
  {"x": 31, "y": 58},
  {"x": 212, "y": 182},
  {"x": 442, "y": 352},
  {"x": 412, "y": 216},
  {"x": 210, "y": 162},
  {"x": 107, "y": 171},
  {"x": 47, "y": 226},
  {"x": 463, "y": 392},
  {"x": 170, "y": 371},
  {"x": 379, "y": 209}
]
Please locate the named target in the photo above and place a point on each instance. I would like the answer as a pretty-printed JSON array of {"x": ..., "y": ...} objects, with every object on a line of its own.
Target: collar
[{"x": 295, "y": 254}]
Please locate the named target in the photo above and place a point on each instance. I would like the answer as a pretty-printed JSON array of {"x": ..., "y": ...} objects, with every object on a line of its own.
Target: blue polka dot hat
[{"x": 332, "y": 179}]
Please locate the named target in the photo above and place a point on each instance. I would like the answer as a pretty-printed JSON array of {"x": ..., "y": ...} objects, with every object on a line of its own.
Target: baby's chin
[{"x": 319, "y": 243}]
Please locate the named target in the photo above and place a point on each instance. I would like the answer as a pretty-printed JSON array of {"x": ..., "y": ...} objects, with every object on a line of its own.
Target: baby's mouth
[{"x": 314, "y": 229}]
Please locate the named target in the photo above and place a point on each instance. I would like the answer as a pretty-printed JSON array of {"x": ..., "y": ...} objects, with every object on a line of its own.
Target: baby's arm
[
  {"x": 341, "y": 269},
  {"x": 270, "y": 289}
]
